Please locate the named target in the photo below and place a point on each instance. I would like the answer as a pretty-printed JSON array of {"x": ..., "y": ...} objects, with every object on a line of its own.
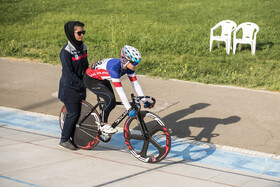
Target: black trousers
[
  {"x": 103, "y": 89},
  {"x": 72, "y": 116}
]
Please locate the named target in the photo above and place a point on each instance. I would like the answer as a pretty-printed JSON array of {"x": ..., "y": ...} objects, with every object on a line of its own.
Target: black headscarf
[{"x": 69, "y": 31}]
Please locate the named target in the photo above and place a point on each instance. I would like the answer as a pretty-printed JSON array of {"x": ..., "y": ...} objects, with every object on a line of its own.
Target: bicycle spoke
[
  {"x": 159, "y": 147},
  {"x": 88, "y": 129},
  {"x": 87, "y": 133},
  {"x": 135, "y": 136},
  {"x": 88, "y": 125},
  {"x": 144, "y": 151}
]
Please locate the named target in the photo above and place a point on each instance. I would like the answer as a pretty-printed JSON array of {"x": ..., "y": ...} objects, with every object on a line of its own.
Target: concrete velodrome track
[{"x": 222, "y": 136}]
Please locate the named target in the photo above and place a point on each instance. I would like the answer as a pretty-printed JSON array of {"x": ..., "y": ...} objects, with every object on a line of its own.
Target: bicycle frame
[
  {"x": 135, "y": 104},
  {"x": 100, "y": 103}
]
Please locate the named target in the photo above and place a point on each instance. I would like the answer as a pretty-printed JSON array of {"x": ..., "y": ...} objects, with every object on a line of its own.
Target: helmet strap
[{"x": 126, "y": 63}]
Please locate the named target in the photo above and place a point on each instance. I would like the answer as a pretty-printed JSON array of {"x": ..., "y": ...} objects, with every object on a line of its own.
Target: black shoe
[{"x": 68, "y": 145}]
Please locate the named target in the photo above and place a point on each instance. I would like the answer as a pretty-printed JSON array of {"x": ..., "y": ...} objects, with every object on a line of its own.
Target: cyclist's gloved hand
[
  {"x": 148, "y": 104},
  {"x": 132, "y": 113}
]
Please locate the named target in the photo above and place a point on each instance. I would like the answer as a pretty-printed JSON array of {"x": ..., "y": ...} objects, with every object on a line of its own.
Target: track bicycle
[{"x": 145, "y": 135}]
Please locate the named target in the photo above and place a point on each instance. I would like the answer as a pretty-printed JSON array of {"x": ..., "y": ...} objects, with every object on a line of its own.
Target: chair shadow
[
  {"x": 259, "y": 46},
  {"x": 216, "y": 47},
  {"x": 181, "y": 128},
  {"x": 263, "y": 46}
]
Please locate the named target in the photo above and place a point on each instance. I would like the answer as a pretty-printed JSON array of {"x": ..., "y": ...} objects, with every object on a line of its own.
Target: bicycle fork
[{"x": 143, "y": 126}]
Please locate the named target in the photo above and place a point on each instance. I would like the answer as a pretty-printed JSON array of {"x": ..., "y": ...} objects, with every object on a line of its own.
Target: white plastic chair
[
  {"x": 227, "y": 27},
  {"x": 249, "y": 36}
]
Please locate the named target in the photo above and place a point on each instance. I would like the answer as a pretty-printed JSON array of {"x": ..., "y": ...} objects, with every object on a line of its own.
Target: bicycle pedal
[{"x": 105, "y": 137}]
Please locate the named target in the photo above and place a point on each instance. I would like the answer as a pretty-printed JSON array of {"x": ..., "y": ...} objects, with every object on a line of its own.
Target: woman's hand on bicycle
[
  {"x": 132, "y": 113},
  {"x": 148, "y": 104}
]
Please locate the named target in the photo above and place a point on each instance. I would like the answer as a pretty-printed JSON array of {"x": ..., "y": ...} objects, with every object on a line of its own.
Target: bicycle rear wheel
[
  {"x": 151, "y": 148},
  {"x": 85, "y": 135}
]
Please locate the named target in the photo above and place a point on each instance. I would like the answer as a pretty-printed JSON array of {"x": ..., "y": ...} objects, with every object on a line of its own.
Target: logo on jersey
[{"x": 76, "y": 57}]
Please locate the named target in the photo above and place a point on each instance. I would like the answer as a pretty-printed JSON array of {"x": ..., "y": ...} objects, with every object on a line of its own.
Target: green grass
[{"x": 172, "y": 35}]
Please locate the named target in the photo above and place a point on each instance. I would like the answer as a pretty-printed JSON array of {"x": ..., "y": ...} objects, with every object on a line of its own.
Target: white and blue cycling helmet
[{"x": 131, "y": 54}]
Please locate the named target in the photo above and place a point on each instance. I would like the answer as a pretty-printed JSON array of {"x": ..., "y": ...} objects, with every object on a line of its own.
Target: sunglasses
[
  {"x": 134, "y": 64},
  {"x": 81, "y": 32}
]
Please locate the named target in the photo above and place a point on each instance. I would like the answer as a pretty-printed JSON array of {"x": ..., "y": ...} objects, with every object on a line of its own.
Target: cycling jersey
[{"x": 112, "y": 69}]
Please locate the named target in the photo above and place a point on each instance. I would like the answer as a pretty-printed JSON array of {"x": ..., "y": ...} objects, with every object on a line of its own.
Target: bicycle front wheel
[
  {"x": 152, "y": 146},
  {"x": 86, "y": 134}
]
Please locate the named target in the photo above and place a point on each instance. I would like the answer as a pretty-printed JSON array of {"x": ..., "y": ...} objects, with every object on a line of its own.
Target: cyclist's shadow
[{"x": 181, "y": 129}]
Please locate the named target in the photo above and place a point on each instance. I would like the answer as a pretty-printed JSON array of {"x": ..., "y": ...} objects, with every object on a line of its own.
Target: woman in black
[{"x": 72, "y": 91}]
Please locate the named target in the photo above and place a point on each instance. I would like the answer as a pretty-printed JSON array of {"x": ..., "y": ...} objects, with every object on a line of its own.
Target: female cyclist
[{"x": 97, "y": 79}]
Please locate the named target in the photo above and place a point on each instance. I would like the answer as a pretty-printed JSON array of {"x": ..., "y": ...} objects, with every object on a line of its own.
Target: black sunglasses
[{"x": 81, "y": 32}]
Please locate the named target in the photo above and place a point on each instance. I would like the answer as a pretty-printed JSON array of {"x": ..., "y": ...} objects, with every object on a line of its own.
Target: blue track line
[
  {"x": 180, "y": 149},
  {"x": 19, "y": 181}
]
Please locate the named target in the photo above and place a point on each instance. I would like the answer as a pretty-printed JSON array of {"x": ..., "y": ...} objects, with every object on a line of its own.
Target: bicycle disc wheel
[
  {"x": 85, "y": 135},
  {"x": 151, "y": 148},
  {"x": 62, "y": 116}
]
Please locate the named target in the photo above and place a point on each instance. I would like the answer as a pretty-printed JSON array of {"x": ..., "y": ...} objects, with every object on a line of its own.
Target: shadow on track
[{"x": 181, "y": 128}]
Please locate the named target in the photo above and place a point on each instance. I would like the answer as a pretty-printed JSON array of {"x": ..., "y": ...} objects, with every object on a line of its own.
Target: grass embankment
[{"x": 173, "y": 36}]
